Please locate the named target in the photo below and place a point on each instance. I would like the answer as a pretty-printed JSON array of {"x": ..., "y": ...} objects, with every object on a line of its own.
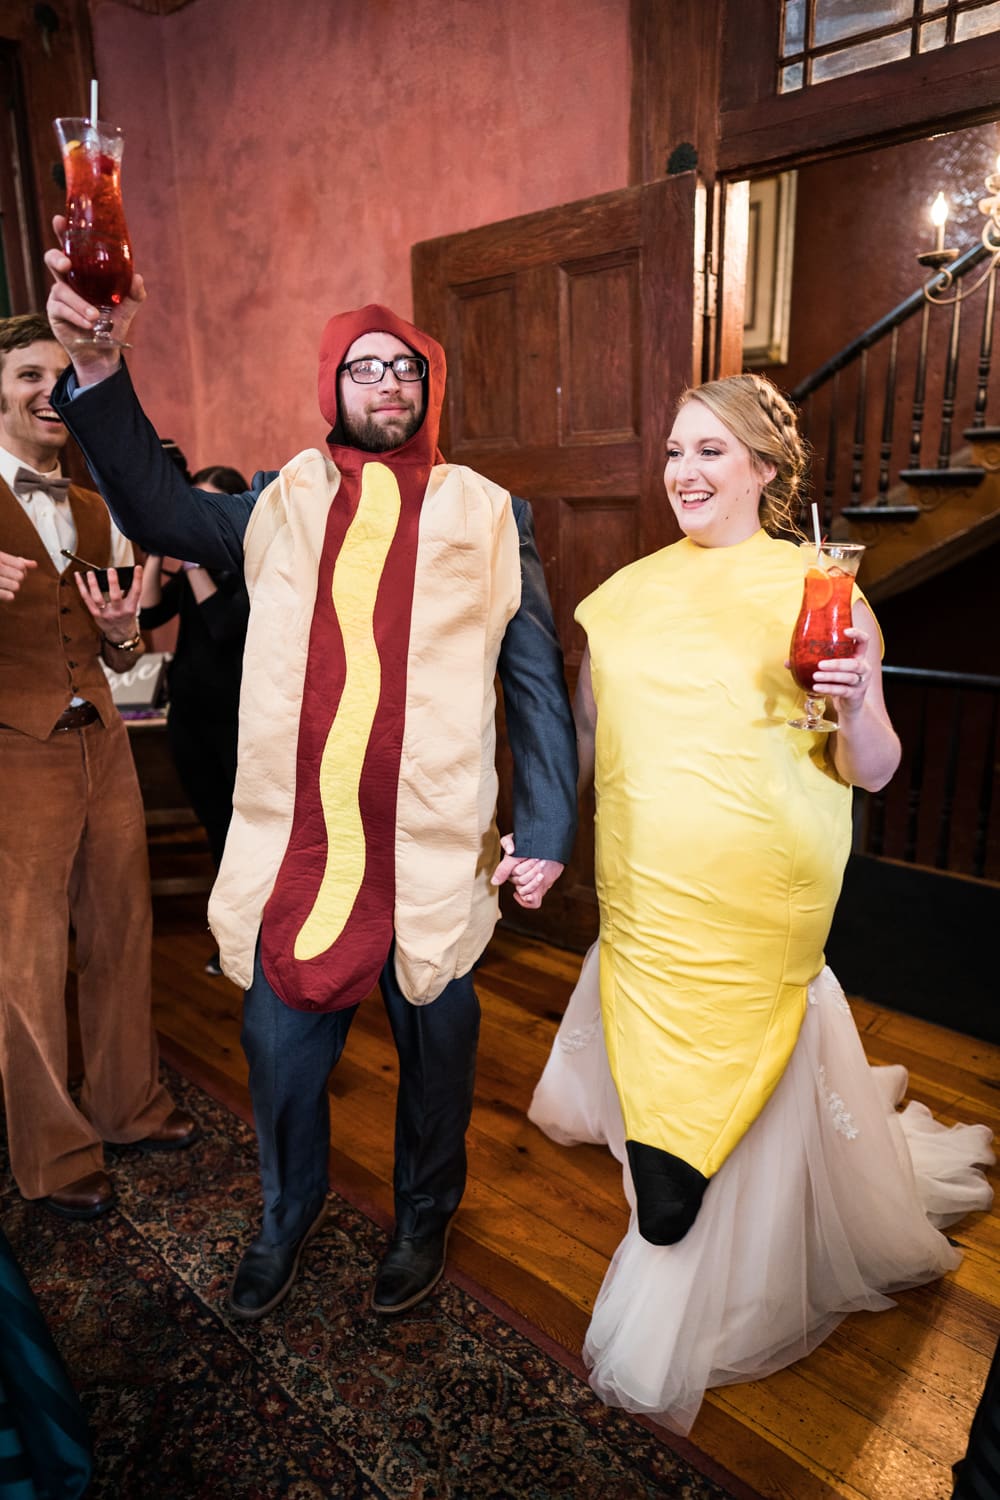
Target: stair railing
[
  {"x": 869, "y": 451},
  {"x": 942, "y": 808}
]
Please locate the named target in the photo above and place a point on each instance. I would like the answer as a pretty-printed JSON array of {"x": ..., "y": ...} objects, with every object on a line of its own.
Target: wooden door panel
[
  {"x": 484, "y": 382},
  {"x": 595, "y": 538},
  {"x": 600, "y": 398},
  {"x": 569, "y": 336}
]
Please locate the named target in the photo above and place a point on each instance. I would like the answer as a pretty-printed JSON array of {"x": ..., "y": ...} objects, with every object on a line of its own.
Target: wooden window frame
[{"x": 950, "y": 88}]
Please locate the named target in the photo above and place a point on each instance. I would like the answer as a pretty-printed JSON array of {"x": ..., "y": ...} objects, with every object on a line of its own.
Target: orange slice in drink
[{"x": 819, "y": 588}]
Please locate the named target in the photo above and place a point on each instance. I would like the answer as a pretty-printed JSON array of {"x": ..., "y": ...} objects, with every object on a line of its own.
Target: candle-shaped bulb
[{"x": 939, "y": 215}]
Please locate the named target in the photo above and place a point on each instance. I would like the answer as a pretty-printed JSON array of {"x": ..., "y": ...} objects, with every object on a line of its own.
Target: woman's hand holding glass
[{"x": 845, "y": 681}]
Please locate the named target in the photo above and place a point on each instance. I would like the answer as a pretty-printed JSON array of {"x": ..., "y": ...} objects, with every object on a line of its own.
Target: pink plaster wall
[{"x": 270, "y": 182}]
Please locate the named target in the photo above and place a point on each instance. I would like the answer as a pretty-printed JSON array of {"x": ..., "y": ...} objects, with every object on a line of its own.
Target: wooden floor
[{"x": 880, "y": 1412}]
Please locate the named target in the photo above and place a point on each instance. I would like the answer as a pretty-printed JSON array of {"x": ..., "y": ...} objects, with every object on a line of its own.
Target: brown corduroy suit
[{"x": 72, "y": 850}]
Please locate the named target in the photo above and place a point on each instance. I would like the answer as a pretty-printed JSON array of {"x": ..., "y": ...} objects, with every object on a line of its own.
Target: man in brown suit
[{"x": 72, "y": 834}]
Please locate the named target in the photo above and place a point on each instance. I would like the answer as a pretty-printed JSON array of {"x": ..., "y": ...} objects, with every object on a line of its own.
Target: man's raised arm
[{"x": 145, "y": 491}]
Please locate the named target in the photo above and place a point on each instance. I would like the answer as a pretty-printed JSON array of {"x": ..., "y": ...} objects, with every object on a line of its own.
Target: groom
[{"x": 387, "y": 589}]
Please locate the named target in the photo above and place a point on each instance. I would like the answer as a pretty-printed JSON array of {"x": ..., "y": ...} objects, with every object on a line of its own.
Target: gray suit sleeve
[
  {"x": 145, "y": 491},
  {"x": 539, "y": 720}
]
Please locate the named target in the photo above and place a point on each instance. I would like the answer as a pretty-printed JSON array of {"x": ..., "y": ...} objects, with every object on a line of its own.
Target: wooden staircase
[
  {"x": 932, "y": 519},
  {"x": 876, "y": 412}
]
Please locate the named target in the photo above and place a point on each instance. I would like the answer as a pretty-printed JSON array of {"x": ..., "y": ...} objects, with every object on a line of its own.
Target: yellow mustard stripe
[{"x": 356, "y": 577}]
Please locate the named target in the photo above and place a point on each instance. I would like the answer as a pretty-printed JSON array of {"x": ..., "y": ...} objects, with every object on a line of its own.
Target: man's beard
[{"x": 379, "y": 437}]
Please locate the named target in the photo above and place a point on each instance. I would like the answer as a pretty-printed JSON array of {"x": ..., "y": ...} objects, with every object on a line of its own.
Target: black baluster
[
  {"x": 875, "y": 827},
  {"x": 858, "y": 451},
  {"x": 986, "y": 794},
  {"x": 948, "y": 395},
  {"x": 805, "y": 428},
  {"x": 950, "y": 782},
  {"x": 830, "y": 478},
  {"x": 919, "y": 391},
  {"x": 916, "y": 783},
  {"x": 985, "y": 351},
  {"x": 888, "y": 420}
]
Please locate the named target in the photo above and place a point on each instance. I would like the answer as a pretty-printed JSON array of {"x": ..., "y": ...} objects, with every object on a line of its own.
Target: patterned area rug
[{"x": 323, "y": 1399}]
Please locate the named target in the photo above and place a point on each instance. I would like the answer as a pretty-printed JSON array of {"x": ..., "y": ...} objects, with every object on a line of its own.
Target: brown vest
[{"x": 49, "y": 645}]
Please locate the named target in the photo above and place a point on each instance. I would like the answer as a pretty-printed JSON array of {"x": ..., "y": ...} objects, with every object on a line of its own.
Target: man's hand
[
  {"x": 531, "y": 877},
  {"x": 117, "y": 615},
  {"x": 12, "y": 571},
  {"x": 70, "y": 316}
]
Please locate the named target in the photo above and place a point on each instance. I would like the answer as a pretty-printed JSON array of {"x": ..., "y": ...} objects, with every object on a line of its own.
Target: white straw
[
  {"x": 93, "y": 101},
  {"x": 819, "y": 540}
]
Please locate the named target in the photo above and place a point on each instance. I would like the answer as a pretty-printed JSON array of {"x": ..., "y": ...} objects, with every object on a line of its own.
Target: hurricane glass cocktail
[
  {"x": 820, "y": 632},
  {"x": 96, "y": 236}
]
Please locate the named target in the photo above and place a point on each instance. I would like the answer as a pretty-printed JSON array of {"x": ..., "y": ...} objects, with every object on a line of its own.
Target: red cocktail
[
  {"x": 96, "y": 238},
  {"x": 820, "y": 632}
]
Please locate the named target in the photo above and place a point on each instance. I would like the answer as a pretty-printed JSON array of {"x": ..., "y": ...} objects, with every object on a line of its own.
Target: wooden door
[{"x": 570, "y": 334}]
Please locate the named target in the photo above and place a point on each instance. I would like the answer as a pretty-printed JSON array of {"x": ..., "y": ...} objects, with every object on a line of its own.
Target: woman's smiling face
[{"x": 713, "y": 481}]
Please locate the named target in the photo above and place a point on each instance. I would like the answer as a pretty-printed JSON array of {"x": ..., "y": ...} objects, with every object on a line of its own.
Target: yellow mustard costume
[{"x": 722, "y": 836}]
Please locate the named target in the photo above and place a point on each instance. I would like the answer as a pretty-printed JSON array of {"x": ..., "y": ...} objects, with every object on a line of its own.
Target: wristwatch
[{"x": 132, "y": 645}]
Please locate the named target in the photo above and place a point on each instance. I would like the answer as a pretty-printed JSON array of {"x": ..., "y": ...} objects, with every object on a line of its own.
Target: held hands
[
  {"x": 116, "y": 616},
  {"x": 70, "y": 316},
  {"x": 12, "y": 571},
  {"x": 531, "y": 877}
]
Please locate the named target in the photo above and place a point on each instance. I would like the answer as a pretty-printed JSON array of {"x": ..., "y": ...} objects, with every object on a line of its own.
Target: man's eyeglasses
[{"x": 370, "y": 371}]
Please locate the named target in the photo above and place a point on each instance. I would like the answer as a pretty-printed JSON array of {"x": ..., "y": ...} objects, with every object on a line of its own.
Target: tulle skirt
[{"x": 831, "y": 1201}]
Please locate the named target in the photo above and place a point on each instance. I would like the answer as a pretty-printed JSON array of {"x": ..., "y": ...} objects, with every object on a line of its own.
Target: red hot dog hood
[{"x": 338, "y": 336}]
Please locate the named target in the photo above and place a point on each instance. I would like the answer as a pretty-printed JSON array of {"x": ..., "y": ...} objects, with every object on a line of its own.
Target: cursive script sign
[{"x": 142, "y": 686}]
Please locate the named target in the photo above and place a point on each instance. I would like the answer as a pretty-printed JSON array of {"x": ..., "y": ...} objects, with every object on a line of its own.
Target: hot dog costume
[{"x": 387, "y": 591}]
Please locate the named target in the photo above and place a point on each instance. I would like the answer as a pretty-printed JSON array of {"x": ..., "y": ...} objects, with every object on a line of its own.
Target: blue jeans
[{"x": 291, "y": 1055}]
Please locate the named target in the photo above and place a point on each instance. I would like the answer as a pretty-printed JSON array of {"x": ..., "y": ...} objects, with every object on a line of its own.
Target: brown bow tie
[{"x": 26, "y": 482}]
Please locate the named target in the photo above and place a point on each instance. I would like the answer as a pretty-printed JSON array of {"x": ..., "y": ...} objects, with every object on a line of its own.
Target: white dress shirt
[{"x": 53, "y": 520}]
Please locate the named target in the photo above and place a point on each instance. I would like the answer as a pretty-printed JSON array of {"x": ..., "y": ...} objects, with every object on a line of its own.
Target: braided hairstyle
[{"x": 763, "y": 420}]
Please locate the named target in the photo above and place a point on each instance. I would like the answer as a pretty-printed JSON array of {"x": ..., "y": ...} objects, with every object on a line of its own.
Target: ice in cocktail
[
  {"x": 96, "y": 237},
  {"x": 820, "y": 632}
]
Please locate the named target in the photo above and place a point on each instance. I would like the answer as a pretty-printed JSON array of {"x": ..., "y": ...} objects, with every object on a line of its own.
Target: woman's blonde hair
[{"x": 764, "y": 421}]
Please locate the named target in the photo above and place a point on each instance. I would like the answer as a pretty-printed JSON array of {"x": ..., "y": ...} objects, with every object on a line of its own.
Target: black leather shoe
[
  {"x": 412, "y": 1266},
  {"x": 267, "y": 1273},
  {"x": 177, "y": 1133},
  {"x": 87, "y": 1198}
]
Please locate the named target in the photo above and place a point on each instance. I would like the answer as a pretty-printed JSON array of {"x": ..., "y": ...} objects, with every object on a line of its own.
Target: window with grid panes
[{"x": 823, "y": 39}]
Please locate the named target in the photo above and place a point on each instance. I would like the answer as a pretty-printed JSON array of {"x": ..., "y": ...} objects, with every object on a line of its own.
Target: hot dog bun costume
[
  {"x": 721, "y": 840},
  {"x": 381, "y": 586}
]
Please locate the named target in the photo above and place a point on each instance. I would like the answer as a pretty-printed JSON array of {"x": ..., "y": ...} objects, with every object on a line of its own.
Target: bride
[{"x": 773, "y": 1186}]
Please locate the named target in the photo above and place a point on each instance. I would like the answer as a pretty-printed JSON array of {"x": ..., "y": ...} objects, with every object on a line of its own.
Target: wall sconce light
[{"x": 943, "y": 286}]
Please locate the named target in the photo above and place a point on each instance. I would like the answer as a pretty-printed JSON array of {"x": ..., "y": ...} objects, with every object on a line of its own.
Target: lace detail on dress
[
  {"x": 579, "y": 1037},
  {"x": 834, "y": 993},
  {"x": 839, "y": 1113}
]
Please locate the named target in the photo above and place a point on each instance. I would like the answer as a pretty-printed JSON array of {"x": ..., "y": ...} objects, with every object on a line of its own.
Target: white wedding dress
[{"x": 831, "y": 1201}]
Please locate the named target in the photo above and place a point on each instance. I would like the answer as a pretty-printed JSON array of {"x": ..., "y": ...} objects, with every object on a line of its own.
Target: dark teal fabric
[
  {"x": 45, "y": 1449},
  {"x": 978, "y": 1474}
]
